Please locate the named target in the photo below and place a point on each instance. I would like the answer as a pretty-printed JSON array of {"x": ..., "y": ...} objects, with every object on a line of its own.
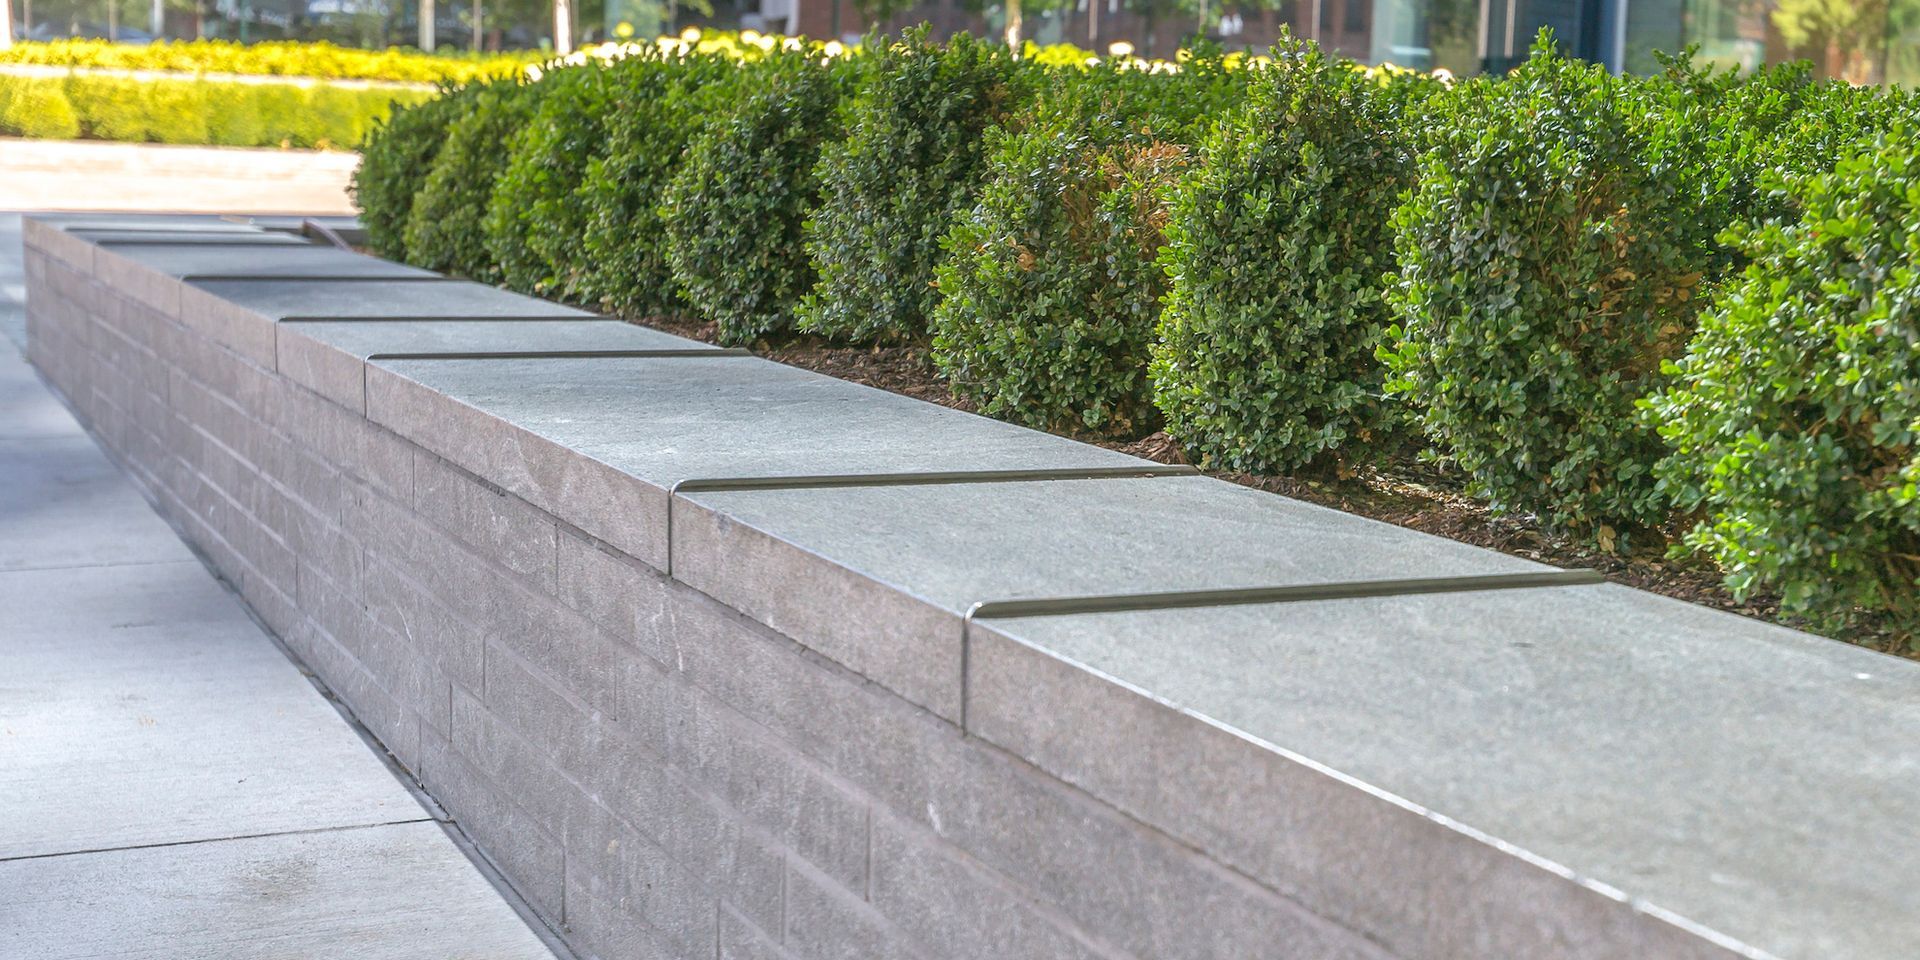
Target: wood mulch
[{"x": 1414, "y": 495}]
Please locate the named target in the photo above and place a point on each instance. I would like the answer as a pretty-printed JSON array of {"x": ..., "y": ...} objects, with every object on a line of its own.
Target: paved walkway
[
  {"x": 171, "y": 785},
  {"x": 94, "y": 176}
]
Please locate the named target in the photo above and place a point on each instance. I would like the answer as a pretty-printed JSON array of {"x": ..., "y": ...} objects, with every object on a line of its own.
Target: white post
[
  {"x": 1013, "y": 26},
  {"x": 157, "y": 20},
  {"x": 6, "y": 24},
  {"x": 562, "y": 27},
  {"x": 426, "y": 25},
  {"x": 478, "y": 33}
]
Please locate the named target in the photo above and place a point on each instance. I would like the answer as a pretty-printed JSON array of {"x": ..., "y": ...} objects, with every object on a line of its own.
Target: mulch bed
[{"x": 1413, "y": 495}]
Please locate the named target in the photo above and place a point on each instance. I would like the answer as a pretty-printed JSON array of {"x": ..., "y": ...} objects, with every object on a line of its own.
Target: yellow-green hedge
[
  {"x": 274, "y": 58},
  {"x": 189, "y": 111}
]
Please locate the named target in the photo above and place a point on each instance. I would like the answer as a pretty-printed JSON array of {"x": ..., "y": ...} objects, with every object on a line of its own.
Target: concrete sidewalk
[
  {"x": 138, "y": 177},
  {"x": 171, "y": 785}
]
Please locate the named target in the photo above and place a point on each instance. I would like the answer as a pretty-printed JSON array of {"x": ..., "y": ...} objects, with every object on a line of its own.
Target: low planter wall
[{"x": 717, "y": 657}]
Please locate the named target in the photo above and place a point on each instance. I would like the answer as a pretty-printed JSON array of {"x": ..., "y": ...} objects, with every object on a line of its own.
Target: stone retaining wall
[{"x": 715, "y": 657}]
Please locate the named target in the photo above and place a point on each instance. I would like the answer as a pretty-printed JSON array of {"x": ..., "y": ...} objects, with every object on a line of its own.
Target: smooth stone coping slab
[
  {"x": 1682, "y": 766},
  {"x": 176, "y": 223},
  {"x": 398, "y": 892},
  {"x": 144, "y": 707},
  {"x": 299, "y": 260},
  {"x": 280, "y": 299},
  {"x": 330, "y": 358},
  {"x": 878, "y": 578},
  {"x": 216, "y": 238},
  {"x": 152, "y": 273},
  {"x": 572, "y": 436}
]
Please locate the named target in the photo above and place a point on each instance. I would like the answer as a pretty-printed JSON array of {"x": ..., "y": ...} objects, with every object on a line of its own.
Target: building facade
[{"x": 1861, "y": 41}]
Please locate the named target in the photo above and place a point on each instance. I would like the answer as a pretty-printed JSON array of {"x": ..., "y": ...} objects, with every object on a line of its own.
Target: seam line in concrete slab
[
  {"x": 88, "y": 566},
  {"x": 842, "y": 480},
  {"x": 212, "y": 240},
  {"x": 1292, "y": 593},
  {"x": 223, "y": 839},
  {"x": 464, "y": 318},
  {"x": 565, "y": 354},
  {"x": 135, "y": 228},
  {"x": 313, "y": 278},
  {"x": 1239, "y": 596}
]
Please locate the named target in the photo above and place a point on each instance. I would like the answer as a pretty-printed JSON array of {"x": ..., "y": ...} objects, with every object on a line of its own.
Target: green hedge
[
  {"x": 1546, "y": 270},
  {"x": 533, "y": 223},
  {"x": 1288, "y": 262},
  {"x": 187, "y": 111},
  {"x": 1276, "y": 246},
  {"x": 1049, "y": 292},
  {"x": 1795, "y": 416},
  {"x": 271, "y": 58},
  {"x": 446, "y": 228},
  {"x": 394, "y": 164},
  {"x": 912, "y": 160},
  {"x": 735, "y": 211},
  {"x": 665, "y": 103},
  {"x": 37, "y": 108}
]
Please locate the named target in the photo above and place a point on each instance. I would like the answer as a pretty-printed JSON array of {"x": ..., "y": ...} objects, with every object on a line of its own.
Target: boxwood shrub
[
  {"x": 533, "y": 223},
  {"x": 1050, "y": 289},
  {"x": 735, "y": 209},
  {"x": 1719, "y": 134},
  {"x": 1276, "y": 245},
  {"x": 1794, "y": 420},
  {"x": 1546, "y": 270},
  {"x": 394, "y": 163},
  {"x": 662, "y": 104},
  {"x": 446, "y": 229},
  {"x": 912, "y": 160}
]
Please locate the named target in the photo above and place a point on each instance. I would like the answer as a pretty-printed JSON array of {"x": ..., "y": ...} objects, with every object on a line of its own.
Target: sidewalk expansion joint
[{"x": 237, "y": 836}]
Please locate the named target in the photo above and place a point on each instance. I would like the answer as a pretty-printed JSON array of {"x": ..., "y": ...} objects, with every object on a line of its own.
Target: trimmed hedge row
[
  {"x": 1050, "y": 286},
  {"x": 189, "y": 111},
  {"x": 285, "y": 58},
  {"x": 1288, "y": 263},
  {"x": 735, "y": 210},
  {"x": 911, "y": 161}
]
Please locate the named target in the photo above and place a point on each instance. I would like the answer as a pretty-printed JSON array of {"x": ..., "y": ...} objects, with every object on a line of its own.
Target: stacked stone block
[{"x": 687, "y": 719}]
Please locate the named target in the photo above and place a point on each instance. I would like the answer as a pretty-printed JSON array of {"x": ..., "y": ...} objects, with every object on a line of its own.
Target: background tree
[{"x": 1847, "y": 38}]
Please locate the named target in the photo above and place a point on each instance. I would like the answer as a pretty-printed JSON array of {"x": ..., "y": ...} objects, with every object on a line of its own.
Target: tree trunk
[
  {"x": 562, "y": 27},
  {"x": 426, "y": 25},
  {"x": 1013, "y": 26},
  {"x": 113, "y": 21},
  {"x": 479, "y": 13}
]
